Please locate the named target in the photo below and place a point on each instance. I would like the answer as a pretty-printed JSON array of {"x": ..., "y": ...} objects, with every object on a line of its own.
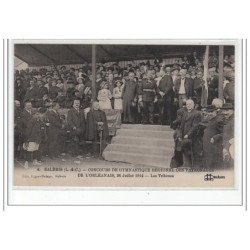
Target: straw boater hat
[{"x": 118, "y": 81}]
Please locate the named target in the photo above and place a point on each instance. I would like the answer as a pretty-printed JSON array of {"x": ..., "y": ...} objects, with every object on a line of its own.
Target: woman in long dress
[
  {"x": 104, "y": 96},
  {"x": 117, "y": 93}
]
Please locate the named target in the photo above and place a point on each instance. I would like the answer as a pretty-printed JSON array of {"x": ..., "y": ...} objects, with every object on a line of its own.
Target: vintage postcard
[{"x": 125, "y": 114}]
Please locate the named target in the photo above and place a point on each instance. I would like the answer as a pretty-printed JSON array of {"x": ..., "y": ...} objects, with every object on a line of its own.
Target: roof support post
[
  {"x": 93, "y": 72},
  {"x": 220, "y": 87}
]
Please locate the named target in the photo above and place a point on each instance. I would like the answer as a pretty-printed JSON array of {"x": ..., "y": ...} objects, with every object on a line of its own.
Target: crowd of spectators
[{"x": 148, "y": 93}]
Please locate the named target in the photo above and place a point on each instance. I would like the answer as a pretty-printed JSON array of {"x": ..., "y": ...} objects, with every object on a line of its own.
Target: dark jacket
[
  {"x": 189, "y": 123},
  {"x": 93, "y": 118},
  {"x": 53, "y": 92},
  {"x": 188, "y": 87},
  {"x": 24, "y": 119},
  {"x": 212, "y": 89},
  {"x": 42, "y": 91},
  {"x": 31, "y": 94},
  {"x": 54, "y": 119},
  {"x": 229, "y": 92},
  {"x": 166, "y": 85},
  {"x": 33, "y": 131},
  {"x": 228, "y": 132},
  {"x": 76, "y": 119},
  {"x": 180, "y": 114},
  {"x": 212, "y": 152}
]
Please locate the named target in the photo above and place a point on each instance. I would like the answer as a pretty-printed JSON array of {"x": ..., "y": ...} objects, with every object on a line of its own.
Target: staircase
[{"x": 150, "y": 145}]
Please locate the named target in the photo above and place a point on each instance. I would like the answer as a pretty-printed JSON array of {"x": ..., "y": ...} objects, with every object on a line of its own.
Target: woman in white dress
[
  {"x": 104, "y": 96},
  {"x": 117, "y": 93}
]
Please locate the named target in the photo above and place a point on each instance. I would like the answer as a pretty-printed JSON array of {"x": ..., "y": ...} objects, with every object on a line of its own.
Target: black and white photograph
[{"x": 124, "y": 125}]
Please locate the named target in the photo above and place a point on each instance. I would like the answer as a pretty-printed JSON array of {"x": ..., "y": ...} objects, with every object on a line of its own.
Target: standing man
[
  {"x": 213, "y": 138},
  {"x": 33, "y": 137},
  {"x": 97, "y": 125},
  {"x": 174, "y": 74},
  {"x": 198, "y": 85},
  {"x": 147, "y": 95},
  {"x": 17, "y": 128},
  {"x": 189, "y": 124},
  {"x": 26, "y": 115},
  {"x": 183, "y": 87},
  {"x": 213, "y": 83},
  {"x": 31, "y": 93},
  {"x": 76, "y": 124},
  {"x": 166, "y": 94},
  {"x": 42, "y": 90},
  {"x": 54, "y": 126},
  {"x": 129, "y": 99}
]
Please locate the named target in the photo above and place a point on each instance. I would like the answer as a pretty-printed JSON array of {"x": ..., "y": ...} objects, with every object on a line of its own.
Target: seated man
[{"x": 97, "y": 126}]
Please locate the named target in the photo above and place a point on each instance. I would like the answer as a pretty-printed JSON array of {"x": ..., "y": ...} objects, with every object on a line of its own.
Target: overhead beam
[
  {"x": 94, "y": 72},
  {"x": 20, "y": 57},
  {"x": 76, "y": 53},
  {"x": 105, "y": 50},
  {"x": 221, "y": 56}
]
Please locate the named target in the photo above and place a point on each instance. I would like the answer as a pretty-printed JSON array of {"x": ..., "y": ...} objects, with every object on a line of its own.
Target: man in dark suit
[
  {"x": 193, "y": 58},
  {"x": 129, "y": 96},
  {"x": 54, "y": 126},
  {"x": 19, "y": 89},
  {"x": 213, "y": 138},
  {"x": 97, "y": 126},
  {"x": 17, "y": 128},
  {"x": 42, "y": 90},
  {"x": 213, "y": 83},
  {"x": 166, "y": 97},
  {"x": 189, "y": 124},
  {"x": 198, "y": 85},
  {"x": 183, "y": 87},
  {"x": 228, "y": 92},
  {"x": 31, "y": 93},
  {"x": 25, "y": 116},
  {"x": 76, "y": 124}
]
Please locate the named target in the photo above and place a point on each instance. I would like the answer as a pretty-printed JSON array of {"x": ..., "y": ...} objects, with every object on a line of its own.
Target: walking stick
[
  {"x": 192, "y": 156},
  {"x": 100, "y": 142}
]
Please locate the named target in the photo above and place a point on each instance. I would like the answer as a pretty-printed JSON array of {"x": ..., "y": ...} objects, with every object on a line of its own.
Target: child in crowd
[
  {"x": 104, "y": 96},
  {"x": 117, "y": 93}
]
